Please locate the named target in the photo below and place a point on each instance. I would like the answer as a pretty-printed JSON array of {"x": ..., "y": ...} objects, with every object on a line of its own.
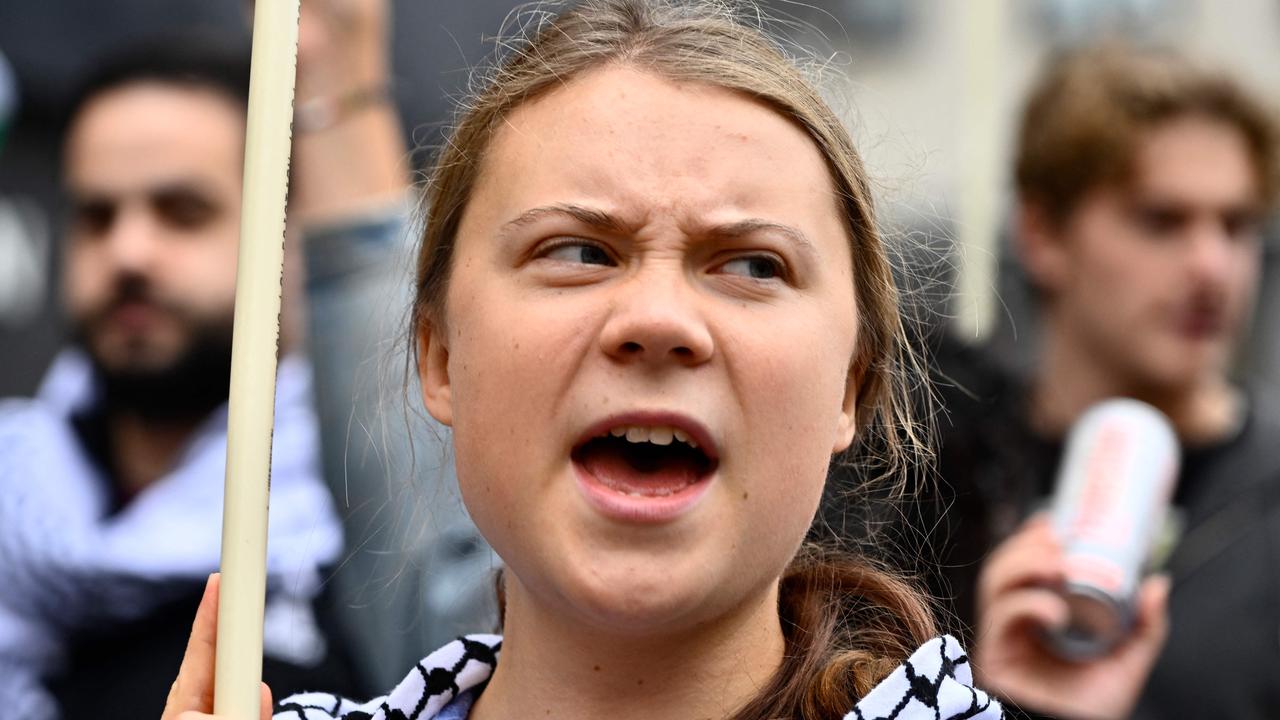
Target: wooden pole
[{"x": 255, "y": 343}]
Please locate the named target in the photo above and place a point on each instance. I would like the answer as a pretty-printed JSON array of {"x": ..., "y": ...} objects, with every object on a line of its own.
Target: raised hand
[
  {"x": 342, "y": 46},
  {"x": 191, "y": 696},
  {"x": 1017, "y": 601}
]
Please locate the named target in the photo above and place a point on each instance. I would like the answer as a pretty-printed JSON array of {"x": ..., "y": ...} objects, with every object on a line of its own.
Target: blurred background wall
[{"x": 932, "y": 91}]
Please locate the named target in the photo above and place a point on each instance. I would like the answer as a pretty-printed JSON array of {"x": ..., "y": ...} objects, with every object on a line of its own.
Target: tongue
[{"x": 638, "y": 471}]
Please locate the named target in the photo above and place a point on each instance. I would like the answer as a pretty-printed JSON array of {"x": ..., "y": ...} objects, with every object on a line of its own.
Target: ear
[
  {"x": 433, "y": 373},
  {"x": 1041, "y": 247},
  {"x": 847, "y": 422}
]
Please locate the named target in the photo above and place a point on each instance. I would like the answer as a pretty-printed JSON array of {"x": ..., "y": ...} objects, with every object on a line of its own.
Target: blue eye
[
  {"x": 580, "y": 252},
  {"x": 756, "y": 267}
]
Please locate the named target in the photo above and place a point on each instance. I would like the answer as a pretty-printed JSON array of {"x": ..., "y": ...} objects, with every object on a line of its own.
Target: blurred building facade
[{"x": 932, "y": 93}]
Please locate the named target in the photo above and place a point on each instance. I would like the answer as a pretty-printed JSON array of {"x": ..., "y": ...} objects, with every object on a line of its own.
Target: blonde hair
[{"x": 847, "y": 623}]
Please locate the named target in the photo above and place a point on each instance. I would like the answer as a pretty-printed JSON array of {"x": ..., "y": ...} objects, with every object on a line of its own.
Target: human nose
[
  {"x": 1212, "y": 255},
  {"x": 655, "y": 320},
  {"x": 131, "y": 241}
]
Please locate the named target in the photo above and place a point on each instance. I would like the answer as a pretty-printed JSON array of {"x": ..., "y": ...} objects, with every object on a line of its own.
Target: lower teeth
[{"x": 660, "y": 492}]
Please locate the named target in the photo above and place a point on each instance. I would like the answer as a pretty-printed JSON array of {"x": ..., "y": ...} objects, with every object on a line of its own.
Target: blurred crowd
[{"x": 1135, "y": 259}]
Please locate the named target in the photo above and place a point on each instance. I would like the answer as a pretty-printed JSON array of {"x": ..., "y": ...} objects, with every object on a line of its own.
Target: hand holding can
[{"x": 1112, "y": 496}]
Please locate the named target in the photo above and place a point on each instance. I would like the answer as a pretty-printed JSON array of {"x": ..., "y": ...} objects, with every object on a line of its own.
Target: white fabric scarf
[{"x": 66, "y": 565}]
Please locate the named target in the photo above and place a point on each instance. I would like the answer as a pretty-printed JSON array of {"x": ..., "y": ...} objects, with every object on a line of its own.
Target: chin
[
  {"x": 135, "y": 355},
  {"x": 629, "y": 593},
  {"x": 1177, "y": 375},
  {"x": 646, "y": 609}
]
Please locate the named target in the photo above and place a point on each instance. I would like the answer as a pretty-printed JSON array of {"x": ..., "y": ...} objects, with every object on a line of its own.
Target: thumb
[
  {"x": 1153, "y": 615},
  {"x": 193, "y": 689},
  {"x": 265, "y": 714}
]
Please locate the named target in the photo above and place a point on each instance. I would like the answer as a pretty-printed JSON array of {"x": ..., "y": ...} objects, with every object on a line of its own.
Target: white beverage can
[{"x": 1111, "y": 499}]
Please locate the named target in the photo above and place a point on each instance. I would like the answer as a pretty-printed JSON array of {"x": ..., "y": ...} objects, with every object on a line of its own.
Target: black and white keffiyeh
[
  {"x": 67, "y": 563},
  {"x": 935, "y": 683},
  {"x": 433, "y": 683}
]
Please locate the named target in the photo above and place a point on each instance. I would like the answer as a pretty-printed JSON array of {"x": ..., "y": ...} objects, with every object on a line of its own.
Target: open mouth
[{"x": 645, "y": 461}]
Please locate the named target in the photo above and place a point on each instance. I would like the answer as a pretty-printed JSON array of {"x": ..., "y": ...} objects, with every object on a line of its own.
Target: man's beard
[{"x": 186, "y": 388}]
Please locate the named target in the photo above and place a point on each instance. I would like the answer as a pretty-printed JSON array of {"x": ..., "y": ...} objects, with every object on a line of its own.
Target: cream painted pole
[
  {"x": 255, "y": 342},
  {"x": 979, "y": 221}
]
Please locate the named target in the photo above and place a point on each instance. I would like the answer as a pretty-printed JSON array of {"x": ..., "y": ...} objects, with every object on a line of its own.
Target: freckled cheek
[
  {"x": 508, "y": 371},
  {"x": 491, "y": 434},
  {"x": 507, "y": 385},
  {"x": 795, "y": 388},
  {"x": 776, "y": 501}
]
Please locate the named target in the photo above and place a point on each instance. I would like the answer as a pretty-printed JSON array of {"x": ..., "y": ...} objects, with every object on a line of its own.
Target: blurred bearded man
[{"x": 111, "y": 478}]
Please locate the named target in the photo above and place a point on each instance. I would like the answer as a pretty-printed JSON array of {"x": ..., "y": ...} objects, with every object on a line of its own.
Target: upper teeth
[{"x": 658, "y": 435}]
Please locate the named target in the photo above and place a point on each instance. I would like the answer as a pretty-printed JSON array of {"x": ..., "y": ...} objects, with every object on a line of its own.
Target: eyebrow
[
  {"x": 601, "y": 220},
  {"x": 167, "y": 188},
  {"x": 754, "y": 225},
  {"x": 597, "y": 219}
]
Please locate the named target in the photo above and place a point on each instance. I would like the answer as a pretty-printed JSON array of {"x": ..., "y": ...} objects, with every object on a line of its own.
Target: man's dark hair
[{"x": 202, "y": 62}]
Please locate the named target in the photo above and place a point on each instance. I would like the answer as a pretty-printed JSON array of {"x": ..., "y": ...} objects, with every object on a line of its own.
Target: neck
[
  {"x": 144, "y": 450},
  {"x": 554, "y": 667},
  {"x": 1070, "y": 378}
]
